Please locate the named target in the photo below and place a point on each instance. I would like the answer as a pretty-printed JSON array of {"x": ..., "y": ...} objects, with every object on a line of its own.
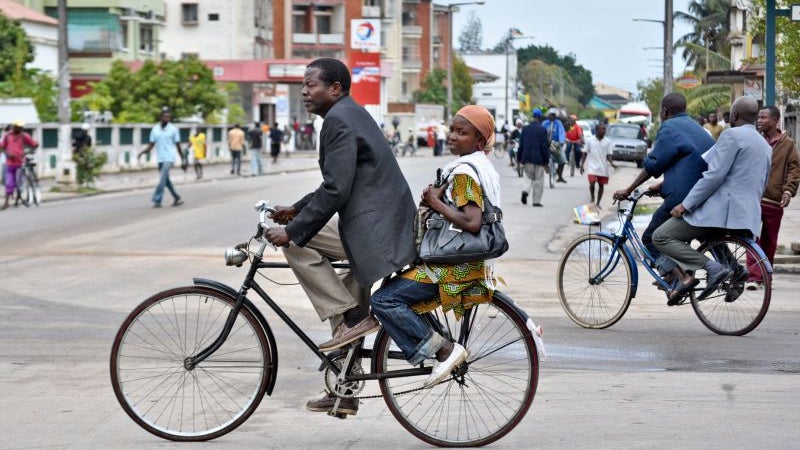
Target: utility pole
[
  {"x": 668, "y": 46},
  {"x": 65, "y": 168}
]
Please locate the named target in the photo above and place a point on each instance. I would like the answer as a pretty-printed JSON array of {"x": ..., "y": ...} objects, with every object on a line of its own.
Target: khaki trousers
[
  {"x": 331, "y": 292},
  {"x": 674, "y": 238}
]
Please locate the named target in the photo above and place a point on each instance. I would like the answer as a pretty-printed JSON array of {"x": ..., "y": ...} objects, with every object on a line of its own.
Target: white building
[
  {"x": 42, "y": 32},
  {"x": 217, "y": 29},
  {"x": 499, "y": 96}
]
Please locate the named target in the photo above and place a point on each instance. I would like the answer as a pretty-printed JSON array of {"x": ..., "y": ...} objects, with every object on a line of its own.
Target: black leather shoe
[
  {"x": 326, "y": 402},
  {"x": 524, "y": 199}
]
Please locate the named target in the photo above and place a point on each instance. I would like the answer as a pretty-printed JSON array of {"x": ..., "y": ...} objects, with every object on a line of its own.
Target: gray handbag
[{"x": 444, "y": 244}]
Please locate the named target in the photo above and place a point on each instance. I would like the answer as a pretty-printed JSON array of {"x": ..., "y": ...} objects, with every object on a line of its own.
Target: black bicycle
[
  {"x": 28, "y": 191},
  {"x": 193, "y": 363}
]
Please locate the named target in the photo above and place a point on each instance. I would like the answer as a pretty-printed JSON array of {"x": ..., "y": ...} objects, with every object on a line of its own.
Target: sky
[{"x": 600, "y": 33}]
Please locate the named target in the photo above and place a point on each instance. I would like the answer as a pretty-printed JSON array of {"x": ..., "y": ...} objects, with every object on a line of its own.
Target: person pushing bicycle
[{"x": 14, "y": 144}]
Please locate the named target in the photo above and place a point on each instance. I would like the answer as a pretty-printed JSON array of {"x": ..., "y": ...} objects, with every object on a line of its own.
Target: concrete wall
[{"x": 122, "y": 142}]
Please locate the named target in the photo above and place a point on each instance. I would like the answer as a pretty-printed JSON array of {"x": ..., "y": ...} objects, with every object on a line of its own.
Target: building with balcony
[
  {"x": 100, "y": 31},
  {"x": 217, "y": 29}
]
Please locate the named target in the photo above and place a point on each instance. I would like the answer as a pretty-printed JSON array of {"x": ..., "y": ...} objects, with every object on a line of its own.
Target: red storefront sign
[{"x": 366, "y": 78}]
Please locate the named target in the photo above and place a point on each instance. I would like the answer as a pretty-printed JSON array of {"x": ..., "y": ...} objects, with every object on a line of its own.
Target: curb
[{"x": 50, "y": 197}]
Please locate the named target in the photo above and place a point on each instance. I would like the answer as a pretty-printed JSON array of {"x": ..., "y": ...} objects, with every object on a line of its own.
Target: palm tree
[{"x": 709, "y": 21}]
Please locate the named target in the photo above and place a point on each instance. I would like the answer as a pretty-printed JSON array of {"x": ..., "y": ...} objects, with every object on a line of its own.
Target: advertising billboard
[
  {"x": 365, "y": 34},
  {"x": 366, "y": 78}
]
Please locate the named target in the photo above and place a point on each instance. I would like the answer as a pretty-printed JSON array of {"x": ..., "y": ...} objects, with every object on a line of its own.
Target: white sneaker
[
  {"x": 442, "y": 370},
  {"x": 751, "y": 286}
]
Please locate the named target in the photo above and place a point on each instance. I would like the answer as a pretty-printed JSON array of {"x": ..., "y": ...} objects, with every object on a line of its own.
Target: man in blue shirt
[
  {"x": 677, "y": 154},
  {"x": 534, "y": 155},
  {"x": 556, "y": 135},
  {"x": 164, "y": 136}
]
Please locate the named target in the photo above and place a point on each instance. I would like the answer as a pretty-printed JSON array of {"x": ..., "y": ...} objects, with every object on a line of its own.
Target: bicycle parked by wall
[
  {"x": 598, "y": 277},
  {"x": 193, "y": 363}
]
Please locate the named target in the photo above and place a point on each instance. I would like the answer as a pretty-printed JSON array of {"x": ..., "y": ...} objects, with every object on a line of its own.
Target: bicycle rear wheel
[
  {"x": 160, "y": 394},
  {"x": 594, "y": 281},
  {"x": 733, "y": 310},
  {"x": 485, "y": 398},
  {"x": 35, "y": 192}
]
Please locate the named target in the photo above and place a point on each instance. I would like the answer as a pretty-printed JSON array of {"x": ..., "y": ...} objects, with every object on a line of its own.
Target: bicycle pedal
[{"x": 338, "y": 415}]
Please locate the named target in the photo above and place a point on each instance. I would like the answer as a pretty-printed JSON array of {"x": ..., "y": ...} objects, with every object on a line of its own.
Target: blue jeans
[
  {"x": 256, "y": 167},
  {"x": 391, "y": 304},
  {"x": 163, "y": 181}
]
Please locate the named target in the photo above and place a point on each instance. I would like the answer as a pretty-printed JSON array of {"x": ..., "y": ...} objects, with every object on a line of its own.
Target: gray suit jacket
[
  {"x": 729, "y": 194},
  {"x": 363, "y": 183}
]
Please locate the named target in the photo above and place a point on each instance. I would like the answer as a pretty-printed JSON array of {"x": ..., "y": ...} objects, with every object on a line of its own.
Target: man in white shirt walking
[{"x": 595, "y": 161}]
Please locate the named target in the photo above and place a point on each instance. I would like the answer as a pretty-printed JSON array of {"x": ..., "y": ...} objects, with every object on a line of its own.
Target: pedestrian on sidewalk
[
  {"x": 534, "y": 155},
  {"x": 236, "y": 147},
  {"x": 784, "y": 176},
  {"x": 276, "y": 139},
  {"x": 256, "y": 137},
  {"x": 163, "y": 137},
  {"x": 13, "y": 145},
  {"x": 595, "y": 161},
  {"x": 198, "y": 142}
]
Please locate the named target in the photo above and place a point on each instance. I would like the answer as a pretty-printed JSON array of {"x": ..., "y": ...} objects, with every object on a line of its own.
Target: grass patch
[{"x": 81, "y": 190}]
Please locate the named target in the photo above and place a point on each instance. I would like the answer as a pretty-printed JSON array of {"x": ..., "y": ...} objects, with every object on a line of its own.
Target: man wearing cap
[
  {"x": 534, "y": 155},
  {"x": 14, "y": 144},
  {"x": 82, "y": 139},
  {"x": 556, "y": 137},
  {"x": 163, "y": 137}
]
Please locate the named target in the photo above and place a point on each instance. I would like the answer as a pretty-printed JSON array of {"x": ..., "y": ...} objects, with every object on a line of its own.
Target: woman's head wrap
[{"x": 481, "y": 119}]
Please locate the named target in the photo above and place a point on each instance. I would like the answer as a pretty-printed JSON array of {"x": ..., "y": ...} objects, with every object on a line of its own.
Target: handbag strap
[{"x": 491, "y": 213}]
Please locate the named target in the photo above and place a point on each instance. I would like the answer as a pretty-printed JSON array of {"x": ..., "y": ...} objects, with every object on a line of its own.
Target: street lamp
[
  {"x": 453, "y": 7},
  {"x": 513, "y": 33},
  {"x": 667, "y": 25}
]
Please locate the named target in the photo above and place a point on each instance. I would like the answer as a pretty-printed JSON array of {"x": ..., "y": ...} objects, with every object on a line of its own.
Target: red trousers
[{"x": 771, "y": 215}]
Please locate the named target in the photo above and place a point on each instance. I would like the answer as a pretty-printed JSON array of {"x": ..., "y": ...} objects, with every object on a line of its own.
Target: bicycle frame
[{"x": 356, "y": 351}]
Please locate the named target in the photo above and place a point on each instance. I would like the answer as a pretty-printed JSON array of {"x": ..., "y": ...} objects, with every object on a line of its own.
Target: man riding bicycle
[{"x": 727, "y": 197}]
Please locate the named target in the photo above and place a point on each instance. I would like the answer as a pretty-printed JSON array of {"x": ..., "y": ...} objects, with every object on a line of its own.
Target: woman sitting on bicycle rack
[{"x": 454, "y": 287}]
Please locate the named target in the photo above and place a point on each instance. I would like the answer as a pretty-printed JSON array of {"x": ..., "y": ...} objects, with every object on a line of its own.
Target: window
[
  {"x": 189, "y": 55},
  {"x": 123, "y": 31},
  {"x": 323, "y": 24},
  {"x": 213, "y": 17},
  {"x": 146, "y": 38},
  {"x": 189, "y": 13}
]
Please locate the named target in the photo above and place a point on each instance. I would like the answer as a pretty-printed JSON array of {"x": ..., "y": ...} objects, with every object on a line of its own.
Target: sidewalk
[{"x": 147, "y": 178}]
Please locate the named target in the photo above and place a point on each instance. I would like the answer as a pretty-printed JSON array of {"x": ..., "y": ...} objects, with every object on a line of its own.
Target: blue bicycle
[{"x": 598, "y": 277}]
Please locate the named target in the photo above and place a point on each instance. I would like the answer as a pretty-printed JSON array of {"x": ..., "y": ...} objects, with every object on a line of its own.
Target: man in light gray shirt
[{"x": 727, "y": 197}]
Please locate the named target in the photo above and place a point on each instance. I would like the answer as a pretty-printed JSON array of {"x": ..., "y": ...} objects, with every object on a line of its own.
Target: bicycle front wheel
[
  {"x": 594, "y": 281},
  {"x": 34, "y": 191},
  {"x": 732, "y": 309},
  {"x": 170, "y": 401},
  {"x": 24, "y": 191},
  {"x": 485, "y": 398}
]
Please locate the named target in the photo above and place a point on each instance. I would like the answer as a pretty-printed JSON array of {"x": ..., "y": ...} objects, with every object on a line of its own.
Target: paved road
[{"x": 72, "y": 269}]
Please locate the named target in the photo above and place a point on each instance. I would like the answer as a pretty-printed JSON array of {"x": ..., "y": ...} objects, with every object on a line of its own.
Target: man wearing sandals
[
  {"x": 727, "y": 197},
  {"x": 363, "y": 185}
]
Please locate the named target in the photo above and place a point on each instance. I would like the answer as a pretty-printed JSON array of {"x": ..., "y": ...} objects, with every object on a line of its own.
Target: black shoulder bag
[{"x": 442, "y": 243}]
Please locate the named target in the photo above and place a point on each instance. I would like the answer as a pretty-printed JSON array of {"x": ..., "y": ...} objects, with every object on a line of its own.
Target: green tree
[
  {"x": 579, "y": 76},
  {"x": 550, "y": 84},
  {"x": 434, "y": 87},
  {"x": 700, "y": 101},
  {"x": 187, "y": 87},
  {"x": 16, "y": 80},
  {"x": 471, "y": 38},
  {"x": 787, "y": 52},
  {"x": 15, "y": 49},
  {"x": 709, "y": 22}
]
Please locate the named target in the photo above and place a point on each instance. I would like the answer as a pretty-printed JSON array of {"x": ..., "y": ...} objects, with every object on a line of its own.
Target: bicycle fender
[
  {"x": 536, "y": 331},
  {"x": 631, "y": 260},
  {"x": 273, "y": 348},
  {"x": 760, "y": 252}
]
